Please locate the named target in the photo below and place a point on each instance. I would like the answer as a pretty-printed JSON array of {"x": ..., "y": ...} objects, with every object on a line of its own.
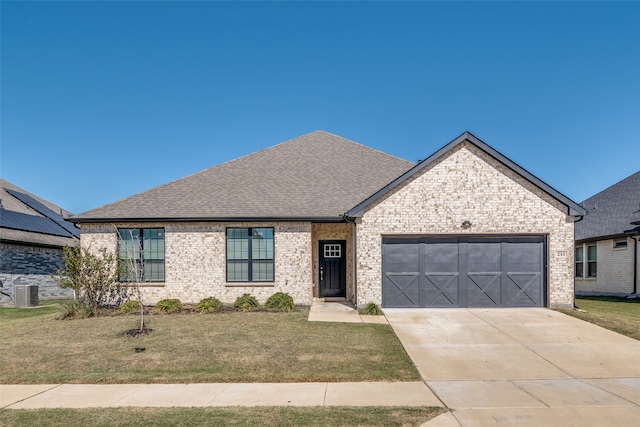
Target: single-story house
[
  {"x": 320, "y": 216},
  {"x": 33, "y": 232},
  {"x": 607, "y": 258}
]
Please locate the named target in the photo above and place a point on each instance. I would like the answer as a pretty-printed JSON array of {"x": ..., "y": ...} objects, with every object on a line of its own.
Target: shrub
[
  {"x": 130, "y": 306},
  {"x": 280, "y": 301},
  {"x": 246, "y": 302},
  {"x": 75, "y": 310},
  {"x": 92, "y": 276},
  {"x": 209, "y": 305},
  {"x": 169, "y": 305},
  {"x": 372, "y": 309}
]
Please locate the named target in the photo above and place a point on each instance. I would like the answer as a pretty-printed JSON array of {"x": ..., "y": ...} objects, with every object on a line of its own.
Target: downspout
[
  {"x": 581, "y": 217},
  {"x": 355, "y": 260},
  {"x": 635, "y": 264}
]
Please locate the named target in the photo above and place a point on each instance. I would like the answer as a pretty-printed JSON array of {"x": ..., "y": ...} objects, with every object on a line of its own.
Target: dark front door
[{"x": 332, "y": 271}]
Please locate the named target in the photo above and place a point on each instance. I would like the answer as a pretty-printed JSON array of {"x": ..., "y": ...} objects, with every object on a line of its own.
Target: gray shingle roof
[
  {"x": 315, "y": 176},
  {"x": 611, "y": 211}
]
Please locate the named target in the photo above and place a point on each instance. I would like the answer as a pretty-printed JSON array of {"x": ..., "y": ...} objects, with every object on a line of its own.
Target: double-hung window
[
  {"x": 580, "y": 261},
  {"x": 141, "y": 254},
  {"x": 588, "y": 264},
  {"x": 249, "y": 254}
]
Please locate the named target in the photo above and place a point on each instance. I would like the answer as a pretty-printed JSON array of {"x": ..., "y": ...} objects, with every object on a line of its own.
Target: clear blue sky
[{"x": 102, "y": 100}]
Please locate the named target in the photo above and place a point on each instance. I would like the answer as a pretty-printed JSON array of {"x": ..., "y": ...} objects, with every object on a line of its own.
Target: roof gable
[
  {"x": 613, "y": 211},
  {"x": 317, "y": 176},
  {"x": 573, "y": 207}
]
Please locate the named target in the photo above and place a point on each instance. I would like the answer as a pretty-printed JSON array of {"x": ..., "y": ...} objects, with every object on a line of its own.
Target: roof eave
[
  {"x": 573, "y": 208},
  {"x": 626, "y": 233},
  {"x": 337, "y": 218}
]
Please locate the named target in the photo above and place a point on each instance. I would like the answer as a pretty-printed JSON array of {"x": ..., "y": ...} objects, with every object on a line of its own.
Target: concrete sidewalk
[
  {"x": 233, "y": 394},
  {"x": 321, "y": 311}
]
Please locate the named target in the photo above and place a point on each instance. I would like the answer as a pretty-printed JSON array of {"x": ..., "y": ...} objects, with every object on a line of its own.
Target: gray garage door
[{"x": 463, "y": 272}]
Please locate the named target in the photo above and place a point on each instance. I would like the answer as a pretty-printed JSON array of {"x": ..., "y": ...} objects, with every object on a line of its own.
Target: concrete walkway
[
  {"x": 235, "y": 394},
  {"x": 523, "y": 367}
]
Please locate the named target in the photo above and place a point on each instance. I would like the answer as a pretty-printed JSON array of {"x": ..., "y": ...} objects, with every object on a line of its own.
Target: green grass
[
  {"x": 187, "y": 348},
  {"x": 621, "y": 315},
  {"x": 45, "y": 307},
  {"x": 236, "y": 416}
]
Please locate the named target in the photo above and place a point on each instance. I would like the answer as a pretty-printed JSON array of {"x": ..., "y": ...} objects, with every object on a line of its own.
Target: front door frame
[{"x": 328, "y": 289}]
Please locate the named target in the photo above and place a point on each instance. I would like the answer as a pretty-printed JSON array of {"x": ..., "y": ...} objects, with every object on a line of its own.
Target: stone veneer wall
[
  {"x": 466, "y": 184},
  {"x": 30, "y": 265},
  {"x": 195, "y": 264},
  {"x": 325, "y": 231},
  {"x": 615, "y": 270}
]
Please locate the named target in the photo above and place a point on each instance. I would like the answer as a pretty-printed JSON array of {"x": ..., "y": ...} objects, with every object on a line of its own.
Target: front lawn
[
  {"x": 621, "y": 315},
  {"x": 192, "y": 348},
  {"x": 269, "y": 416}
]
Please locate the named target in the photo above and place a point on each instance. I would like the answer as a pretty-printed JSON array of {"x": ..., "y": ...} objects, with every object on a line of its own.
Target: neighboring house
[
  {"x": 33, "y": 232},
  {"x": 607, "y": 259},
  {"x": 320, "y": 216}
]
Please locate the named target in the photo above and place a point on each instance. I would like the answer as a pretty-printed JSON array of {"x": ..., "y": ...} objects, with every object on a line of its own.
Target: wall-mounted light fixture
[{"x": 466, "y": 224}]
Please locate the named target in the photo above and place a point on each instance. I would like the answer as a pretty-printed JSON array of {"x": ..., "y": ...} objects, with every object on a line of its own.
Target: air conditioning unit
[{"x": 25, "y": 295}]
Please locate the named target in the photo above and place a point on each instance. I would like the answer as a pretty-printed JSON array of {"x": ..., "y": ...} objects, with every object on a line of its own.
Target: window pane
[
  {"x": 579, "y": 269},
  {"x": 593, "y": 269},
  {"x": 238, "y": 243},
  {"x": 129, "y": 244},
  {"x": 153, "y": 243},
  {"x": 154, "y": 271},
  {"x": 579, "y": 254},
  {"x": 262, "y": 243},
  {"x": 592, "y": 252},
  {"x": 262, "y": 271},
  {"x": 237, "y": 271}
]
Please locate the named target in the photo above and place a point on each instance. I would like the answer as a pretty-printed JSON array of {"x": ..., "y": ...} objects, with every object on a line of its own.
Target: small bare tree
[{"x": 131, "y": 265}]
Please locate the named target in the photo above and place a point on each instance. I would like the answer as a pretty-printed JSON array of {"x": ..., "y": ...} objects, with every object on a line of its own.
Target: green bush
[
  {"x": 246, "y": 302},
  {"x": 169, "y": 305},
  {"x": 209, "y": 305},
  {"x": 372, "y": 309},
  {"x": 130, "y": 306},
  {"x": 280, "y": 301},
  {"x": 75, "y": 310}
]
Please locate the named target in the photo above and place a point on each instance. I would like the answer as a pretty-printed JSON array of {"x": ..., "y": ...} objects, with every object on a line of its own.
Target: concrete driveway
[{"x": 525, "y": 367}]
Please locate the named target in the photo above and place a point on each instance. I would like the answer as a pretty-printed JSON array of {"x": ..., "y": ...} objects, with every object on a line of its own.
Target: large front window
[
  {"x": 141, "y": 254},
  {"x": 249, "y": 254}
]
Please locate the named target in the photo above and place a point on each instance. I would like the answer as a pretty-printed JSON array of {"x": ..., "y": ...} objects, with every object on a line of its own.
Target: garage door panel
[
  {"x": 483, "y": 289},
  {"x": 524, "y": 290},
  {"x": 441, "y": 290},
  {"x": 401, "y": 290},
  {"x": 483, "y": 257}
]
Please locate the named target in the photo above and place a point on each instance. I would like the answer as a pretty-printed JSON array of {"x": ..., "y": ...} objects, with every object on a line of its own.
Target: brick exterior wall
[
  {"x": 615, "y": 270},
  {"x": 30, "y": 265},
  {"x": 466, "y": 184},
  {"x": 195, "y": 264}
]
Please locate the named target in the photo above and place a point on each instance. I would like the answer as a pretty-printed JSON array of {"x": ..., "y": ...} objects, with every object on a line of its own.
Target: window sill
[
  {"x": 143, "y": 285},
  {"x": 249, "y": 284}
]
